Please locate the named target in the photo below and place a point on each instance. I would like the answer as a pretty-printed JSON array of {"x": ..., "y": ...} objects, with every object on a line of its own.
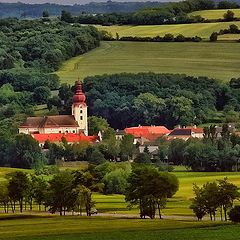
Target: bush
[
  {"x": 234, "y": 214},
  {"x": 214, "y": 37}
]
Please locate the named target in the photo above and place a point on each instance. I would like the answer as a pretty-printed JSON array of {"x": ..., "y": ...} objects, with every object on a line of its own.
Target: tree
[
  {"x": 18, "y": 183},
  {"x": 229, "y": 16},
  {"x": 41, "y": 94},
  {"x": 116, "y": 181},
  {"x": 148, "y": 188},
  {"x": 45, "y": 14},
  {"x": 66, "y": 17},
  {"x": 213, "y": 37},
  {"x": 40, "y": 187},
  {"x": 25, "y": 152},
  {"x": 97, "y": 124},
  {"x": 198, "y": 202},
  {"x": 228, "y": 192},
  {"x": 60, "y": 194},
  {"x": 4, "y": 196},
  {"x": 127, "y": 147},
  {"x": 143, "y": 158}
]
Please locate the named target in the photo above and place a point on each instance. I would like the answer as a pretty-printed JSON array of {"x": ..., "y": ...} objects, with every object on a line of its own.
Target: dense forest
[
  {"x": 35, "y": 10},
  {"x": 160, "y": 99}
]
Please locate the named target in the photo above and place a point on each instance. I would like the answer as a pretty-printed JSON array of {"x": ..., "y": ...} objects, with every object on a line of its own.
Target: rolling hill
[
  {"x": 203, "y": 30},
  {"x": 216, "y": 60},
  {"x": 215, "y": 14}
]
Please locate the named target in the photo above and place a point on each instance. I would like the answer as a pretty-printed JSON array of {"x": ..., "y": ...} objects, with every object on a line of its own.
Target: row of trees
[
  {"x": 233, "y": 29},
  {"x": 166, "y": 38},
  {"x": 66, "y": 192},
  {"x": 71, "y": 191},
  {"x": 214, "y": 196}
]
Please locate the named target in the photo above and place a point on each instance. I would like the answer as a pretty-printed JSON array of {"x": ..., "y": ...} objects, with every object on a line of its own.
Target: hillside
[
  {"x": 215, "y": 14},
  {"x": 203, "y": 30},
  {"x": 216, "y": 60},
  {"x": 20, "y": 9}
]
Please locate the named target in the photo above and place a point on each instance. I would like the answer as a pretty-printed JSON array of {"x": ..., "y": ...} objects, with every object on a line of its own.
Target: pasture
[
  {"x": 214, "y": 60},
  {"x": 203, "y": 30},
  {"x": 215, "y": 14},
  {"x": 83, "y": 228}
]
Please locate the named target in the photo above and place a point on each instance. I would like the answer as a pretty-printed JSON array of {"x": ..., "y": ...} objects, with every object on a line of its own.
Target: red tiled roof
[
  {"x": 70, "y": 137},
  {"x": 148, "y": 132}
]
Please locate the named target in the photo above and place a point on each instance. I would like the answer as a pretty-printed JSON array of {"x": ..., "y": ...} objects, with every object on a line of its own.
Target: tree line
[
  {"x": 233, "y": 29},
  {"x": 22, "y": 10},
  {"x": 166, "y": 38},
  {"x": 170, "y": 13}
]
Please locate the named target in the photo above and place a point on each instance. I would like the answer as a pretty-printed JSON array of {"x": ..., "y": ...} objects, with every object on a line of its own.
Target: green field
[
  {"x": 215, "y": 14},
  {"x": 203, "y": 30},
  {"x": 178, "y": 205},
  {"x": 73, "y": 228},
  {"x": 215, "y": 60}
]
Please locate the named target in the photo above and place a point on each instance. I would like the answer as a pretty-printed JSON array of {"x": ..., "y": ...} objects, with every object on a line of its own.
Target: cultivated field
[
  {"x": 215, "y": 60},
  {"x": 215, "y": 14},
  {"x": 203, "y": 30},
  {"x": 98, "y": 228}
]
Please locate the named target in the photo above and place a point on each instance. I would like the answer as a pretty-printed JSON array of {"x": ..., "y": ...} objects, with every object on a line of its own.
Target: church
[{"x": 74, "y": 128}]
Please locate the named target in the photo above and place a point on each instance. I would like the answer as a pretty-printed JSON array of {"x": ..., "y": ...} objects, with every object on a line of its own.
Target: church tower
[{"x": 79, "y": 108}]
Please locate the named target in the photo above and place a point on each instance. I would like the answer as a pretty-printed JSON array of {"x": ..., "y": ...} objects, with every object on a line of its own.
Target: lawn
[
  {"x": 215, "y": 60},
  {"x": 215, "y": 14},
  {"x": 203, "y": 30},
  {"x": 56, "y": 228}
]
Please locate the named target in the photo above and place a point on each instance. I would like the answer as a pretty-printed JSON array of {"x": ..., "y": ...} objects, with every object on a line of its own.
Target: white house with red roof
[
  {"x": 186, "y": 133},
  {"x": 147, "y": 133},
  {"x": 74, "y": 128}
]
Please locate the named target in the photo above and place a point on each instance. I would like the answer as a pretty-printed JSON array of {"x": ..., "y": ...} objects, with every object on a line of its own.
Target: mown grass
[
  {"x": 203, "y": 30},
  {"x": 215, "y": 60},
  {"x": 111, "y": 228},
  {"x": 215, "y": 14}
]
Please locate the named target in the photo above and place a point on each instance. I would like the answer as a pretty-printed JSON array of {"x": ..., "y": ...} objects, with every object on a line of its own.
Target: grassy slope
[
  {"x": 112, "y": 228},
  {"x": 215, "y": 14},
  {"x": 216, "y": 60},
  {"x": 203, "y": 30}
]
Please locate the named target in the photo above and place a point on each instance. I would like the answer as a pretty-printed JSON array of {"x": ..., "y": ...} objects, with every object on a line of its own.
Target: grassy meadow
[
  {"x": 215, "y": 14},
  {"x": 71, "y": 228},
  {"x": 178, "y": 205},
  {"x": 215, "y": 60},
  {"x": 203, "y": 30}
]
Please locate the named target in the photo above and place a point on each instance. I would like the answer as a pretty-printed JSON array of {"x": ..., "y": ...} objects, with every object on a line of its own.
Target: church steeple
[{"x": 79, "y": 108}]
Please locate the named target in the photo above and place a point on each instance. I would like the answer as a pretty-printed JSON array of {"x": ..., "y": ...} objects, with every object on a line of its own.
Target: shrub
[{"x": 234, "y": 214}]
